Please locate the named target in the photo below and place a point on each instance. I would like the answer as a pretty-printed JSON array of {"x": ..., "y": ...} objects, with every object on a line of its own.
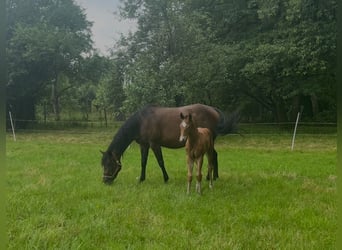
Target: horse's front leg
[
  {"x": 144, "y": 156},
  {"x": 199, "y": 174},
  {"x": 159, "y": 155}
]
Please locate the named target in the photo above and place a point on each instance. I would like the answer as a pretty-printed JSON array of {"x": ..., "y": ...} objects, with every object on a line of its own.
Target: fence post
[
  {"x": 295, "y": 129},
  {"x": 10, "y": 115}
]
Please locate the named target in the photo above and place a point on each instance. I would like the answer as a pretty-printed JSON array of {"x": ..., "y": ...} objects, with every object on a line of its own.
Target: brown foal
[{"x": 199, "y": 141}]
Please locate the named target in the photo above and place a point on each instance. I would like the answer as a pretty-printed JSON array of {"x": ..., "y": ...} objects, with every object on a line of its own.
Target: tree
[
  {"x": 151, "y": 71},
  {"x": 46, "y": 41},
  {"x": 275, "y": 54},
  {"x": 278, "y": 51},
  {"x": 104, "y": 77}
]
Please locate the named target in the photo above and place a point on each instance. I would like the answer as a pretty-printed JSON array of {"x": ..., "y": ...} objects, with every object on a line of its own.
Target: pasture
[{"x": 267, "y": 197}]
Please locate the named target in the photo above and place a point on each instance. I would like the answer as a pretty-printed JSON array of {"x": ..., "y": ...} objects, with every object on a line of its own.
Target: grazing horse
[
  {"x": 199, "y": 141},
  {"x": 155, "y": 127}
]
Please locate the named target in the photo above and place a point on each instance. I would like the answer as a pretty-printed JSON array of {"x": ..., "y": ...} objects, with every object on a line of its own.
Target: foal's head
[
  {"x": 185, "y": 126},
  {"x": 111, "y": 166}
]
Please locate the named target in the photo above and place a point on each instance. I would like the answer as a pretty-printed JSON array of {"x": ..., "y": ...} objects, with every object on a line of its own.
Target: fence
[
  {"x": 288, "y": 127},
  {"x": 243, "y": 128}
]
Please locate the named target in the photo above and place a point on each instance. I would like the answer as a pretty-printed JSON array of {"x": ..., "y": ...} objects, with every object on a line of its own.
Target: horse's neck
[
  {"x": 119, "y": 146},
  {"x": 123, "y": 139}
]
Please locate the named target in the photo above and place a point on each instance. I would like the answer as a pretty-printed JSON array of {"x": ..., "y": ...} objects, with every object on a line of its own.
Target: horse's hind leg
[
  {"x": 214, "y": 166},
  {"x": 159, "y": 155},
  {"x": 210, "y": 156}
]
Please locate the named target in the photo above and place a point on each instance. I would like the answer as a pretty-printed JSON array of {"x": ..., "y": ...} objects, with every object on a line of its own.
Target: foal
[{"x": 199, "y": 141}]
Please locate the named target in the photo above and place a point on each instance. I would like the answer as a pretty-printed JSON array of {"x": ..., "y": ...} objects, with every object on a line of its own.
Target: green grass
[{"x": 267, "y": 196}]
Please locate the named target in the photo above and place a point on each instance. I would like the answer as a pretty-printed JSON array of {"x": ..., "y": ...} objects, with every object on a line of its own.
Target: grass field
[{"x": 267, "y": 197}]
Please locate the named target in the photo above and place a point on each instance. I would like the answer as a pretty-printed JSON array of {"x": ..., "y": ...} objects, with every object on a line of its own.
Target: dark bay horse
[
  {"x": 155, "y": 127},
  {"x": 199, "y": 141}
]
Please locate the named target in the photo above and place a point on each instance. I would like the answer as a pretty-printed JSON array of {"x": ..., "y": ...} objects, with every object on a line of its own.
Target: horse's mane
[{"x": 128, "y": 132}]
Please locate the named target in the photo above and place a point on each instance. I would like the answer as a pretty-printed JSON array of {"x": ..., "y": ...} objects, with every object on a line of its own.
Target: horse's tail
[{"x": 227, "y": 124}]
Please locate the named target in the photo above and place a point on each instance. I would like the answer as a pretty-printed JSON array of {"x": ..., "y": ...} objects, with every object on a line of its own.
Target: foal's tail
[{"x": 227, "y": 124}]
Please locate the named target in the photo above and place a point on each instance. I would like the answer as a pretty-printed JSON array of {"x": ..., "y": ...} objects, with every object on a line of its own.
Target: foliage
[
  {"x": 232, "y": 53},
  {"x": 268, "y": 59},
  {"x": 110, "y": 93},
  {"x": 46, "y": 39}
]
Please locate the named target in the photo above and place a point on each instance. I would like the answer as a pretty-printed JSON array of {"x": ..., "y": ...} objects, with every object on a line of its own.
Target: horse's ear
[{"x": 182, "y": 116}]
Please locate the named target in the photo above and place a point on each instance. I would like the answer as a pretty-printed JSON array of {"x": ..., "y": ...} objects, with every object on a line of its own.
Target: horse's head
[
  {"x": 184, "y": 126},
  {"x": 111, "y": 166}
]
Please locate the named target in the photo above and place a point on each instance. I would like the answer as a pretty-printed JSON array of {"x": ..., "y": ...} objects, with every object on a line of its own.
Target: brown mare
[
  {"x": 155, "y": 127},
  {"x": 199, "y": 141}
]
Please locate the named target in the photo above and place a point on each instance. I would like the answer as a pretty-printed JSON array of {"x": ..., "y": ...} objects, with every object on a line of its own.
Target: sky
[{"x": 107, "y": 25}]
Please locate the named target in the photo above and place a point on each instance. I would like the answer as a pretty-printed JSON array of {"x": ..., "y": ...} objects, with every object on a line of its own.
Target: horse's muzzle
[
  {"x": 108, "y": 179},
  {"x": 182, "y": 138}
]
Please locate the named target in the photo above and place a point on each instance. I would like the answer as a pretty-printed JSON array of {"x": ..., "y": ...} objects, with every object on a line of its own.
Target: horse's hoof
[{"x": 140, "y": 180}]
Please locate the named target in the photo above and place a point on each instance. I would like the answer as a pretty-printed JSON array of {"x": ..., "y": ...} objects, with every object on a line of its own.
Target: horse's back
[
  {"x": 204, "y": 116},
  {"x": 160, "y": 125}
]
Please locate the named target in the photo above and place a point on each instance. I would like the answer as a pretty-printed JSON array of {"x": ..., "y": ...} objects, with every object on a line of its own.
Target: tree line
[{"x": 267, "y": 58}]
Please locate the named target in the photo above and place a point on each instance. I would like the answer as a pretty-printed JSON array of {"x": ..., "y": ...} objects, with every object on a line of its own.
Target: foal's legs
[
  {"x": 190, "y": 164},
  {"x": 199, "y": 174},
  {"x": 159, "y": 155}
]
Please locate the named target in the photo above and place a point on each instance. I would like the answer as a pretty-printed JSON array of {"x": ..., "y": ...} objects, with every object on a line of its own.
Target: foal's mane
[{"x": 128, "y": 132}]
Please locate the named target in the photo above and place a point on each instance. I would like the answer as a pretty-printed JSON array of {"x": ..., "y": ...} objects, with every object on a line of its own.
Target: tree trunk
[
  {"x": 55, "y": 102},
  {"x": 45, "y": 111},
  {"x": 105, "y": 116},
  {"x": 295, "y": 107},
  {"x": 280, "y": 111},
  {"x": 314, "y": 104}
]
